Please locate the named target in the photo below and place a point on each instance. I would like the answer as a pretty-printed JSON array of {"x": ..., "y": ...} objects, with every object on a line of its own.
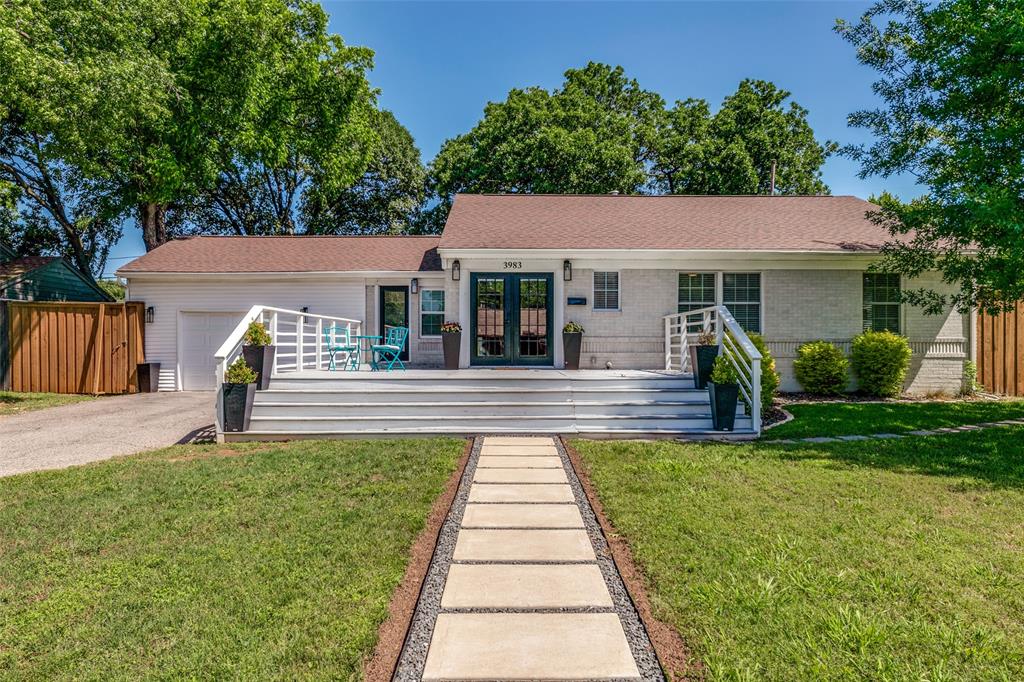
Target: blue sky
[{"x": 438, "y": 63}]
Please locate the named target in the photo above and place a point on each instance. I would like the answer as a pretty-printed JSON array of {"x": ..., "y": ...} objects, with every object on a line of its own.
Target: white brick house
[{"x": 512, "y": 269}]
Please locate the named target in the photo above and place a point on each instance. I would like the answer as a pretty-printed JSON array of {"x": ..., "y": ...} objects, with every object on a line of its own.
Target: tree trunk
[{"x": 153, "y": 220}]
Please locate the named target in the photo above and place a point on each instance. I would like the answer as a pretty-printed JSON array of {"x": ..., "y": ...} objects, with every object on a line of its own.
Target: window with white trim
[
  {"x": 606, "y": 291},
  {"x": 696, "y": 291},
  {"x": 881, "y": 302},
  {"x": 741, "y": 294},
  {"x": 431, "y": 311}
]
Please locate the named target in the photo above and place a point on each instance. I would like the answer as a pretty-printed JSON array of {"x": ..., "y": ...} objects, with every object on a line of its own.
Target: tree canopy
[{"x": 951, "y": 82}]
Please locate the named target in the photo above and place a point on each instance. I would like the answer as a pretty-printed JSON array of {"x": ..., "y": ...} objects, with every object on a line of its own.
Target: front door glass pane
[
  {"x": 490, "y": 317},
  {"x": 533, "y": 320},
  {"x": 395, "y": 312}
]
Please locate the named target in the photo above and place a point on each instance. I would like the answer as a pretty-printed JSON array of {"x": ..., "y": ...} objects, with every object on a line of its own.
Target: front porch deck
[{"x": 498, "y": 374}]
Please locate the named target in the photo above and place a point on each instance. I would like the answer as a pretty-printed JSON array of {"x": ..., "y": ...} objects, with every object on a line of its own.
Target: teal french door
[{"x": 511, "y": 319}]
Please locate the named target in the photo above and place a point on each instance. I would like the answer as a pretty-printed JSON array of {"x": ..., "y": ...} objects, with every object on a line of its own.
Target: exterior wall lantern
[
  {"x": 456, "y": 271},
  {"x": 414, "y": 286},
  {"x": 567, "y": 271},
  {"x": 150, "y": 315}
]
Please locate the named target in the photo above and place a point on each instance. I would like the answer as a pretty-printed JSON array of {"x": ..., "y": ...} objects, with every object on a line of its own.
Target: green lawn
[
  {"x": 13, "y": 403},
  {"x": 246, "y": 561},
  {"x": 894, "y": 560},
  {"x": 843, "y": 419}
]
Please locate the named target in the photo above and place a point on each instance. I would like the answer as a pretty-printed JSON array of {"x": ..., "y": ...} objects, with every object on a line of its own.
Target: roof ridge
[
  {"x": 307, "y": 236},
  {"x": 660, "y": 196}
]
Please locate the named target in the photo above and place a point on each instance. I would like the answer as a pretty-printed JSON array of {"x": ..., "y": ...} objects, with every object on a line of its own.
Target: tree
[
  {"x": 595, "y": 134},
  {"x": 733, "y": 151},
  {"x": 952, "y": 74},
  {"x": 384, "y": 200},
  {"x": 164, "y": 98}
]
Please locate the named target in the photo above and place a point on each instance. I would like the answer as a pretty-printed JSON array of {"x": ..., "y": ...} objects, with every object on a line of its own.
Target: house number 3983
[{"x": 513, "y": 265}]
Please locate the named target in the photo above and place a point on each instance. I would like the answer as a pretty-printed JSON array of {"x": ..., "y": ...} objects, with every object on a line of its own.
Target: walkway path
[{"x": 522, "y": 585}]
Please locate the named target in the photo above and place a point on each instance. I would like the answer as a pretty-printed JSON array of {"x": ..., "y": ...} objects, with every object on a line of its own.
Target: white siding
[{"x": 340, "y": 296}]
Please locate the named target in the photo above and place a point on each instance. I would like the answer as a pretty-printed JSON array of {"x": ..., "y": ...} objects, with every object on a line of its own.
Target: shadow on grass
[{"x": 994, "y": 456}]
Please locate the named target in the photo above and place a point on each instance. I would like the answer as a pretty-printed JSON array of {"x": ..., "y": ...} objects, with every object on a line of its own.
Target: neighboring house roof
[
  {"x": 290, "y": 254},
  {"x": 47, "y": 278},
  {"x": 746, "y": 223}
]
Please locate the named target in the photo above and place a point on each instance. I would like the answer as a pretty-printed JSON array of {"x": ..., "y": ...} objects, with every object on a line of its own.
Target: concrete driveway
[{"x": 58, "y": 437}]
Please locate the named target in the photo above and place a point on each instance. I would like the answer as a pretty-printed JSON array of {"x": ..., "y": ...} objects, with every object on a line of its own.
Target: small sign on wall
[{"x": 577, "y": 300}]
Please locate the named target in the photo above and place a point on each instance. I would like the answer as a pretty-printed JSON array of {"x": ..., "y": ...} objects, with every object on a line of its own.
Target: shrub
[
  {"x": 257, "y": 335},
  {"x": 880, "y": 361},
  {"x": 821, "y": 368},
  {"x": 970, "y": 385},
  {"x": 723, "y": 371},
  {"x": 769, "y": 375},
  {"x": 572, "y": 328},
  {"x": 240, "y": 373}
]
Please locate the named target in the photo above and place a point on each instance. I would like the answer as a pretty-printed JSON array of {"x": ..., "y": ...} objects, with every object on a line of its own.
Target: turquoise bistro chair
[
  {"x": 338, "y": 341},
  {"x": 390, "y": 351}
]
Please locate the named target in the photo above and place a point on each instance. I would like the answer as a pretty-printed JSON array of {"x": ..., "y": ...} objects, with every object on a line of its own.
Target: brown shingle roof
[
  {"x": 756, "y": 223},
  {"x": 290, "y": 254},
  {"x": 18, "y": 267}
]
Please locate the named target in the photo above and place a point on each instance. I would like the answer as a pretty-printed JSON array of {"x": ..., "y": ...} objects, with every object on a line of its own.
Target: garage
[{"x": 202, "y": 333}]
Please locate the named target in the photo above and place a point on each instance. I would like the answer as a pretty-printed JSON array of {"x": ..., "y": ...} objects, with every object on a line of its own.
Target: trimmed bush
[
  {"x": 880, "y": 361},
  {"x": 821, "y": 368},
  {"x": 723, "y": 371},
  {"x": 769, "y": 375}
]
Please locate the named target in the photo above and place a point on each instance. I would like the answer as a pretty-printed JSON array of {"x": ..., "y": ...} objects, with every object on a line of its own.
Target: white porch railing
[
  {"x": 732, "y": 342},
  {"x": 297, "y": 336}
]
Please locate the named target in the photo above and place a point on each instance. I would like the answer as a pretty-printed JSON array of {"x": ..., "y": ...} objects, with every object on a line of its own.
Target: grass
[
  {"x": 897, "y": 560},
  {"x": 246, "y": 561},
  {"x": 13, "y": 403},
  {"x": 844, "y": 419}
]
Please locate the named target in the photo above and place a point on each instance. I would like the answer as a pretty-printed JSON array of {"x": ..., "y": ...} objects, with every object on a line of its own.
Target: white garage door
[{"x": 201, "y": 336}]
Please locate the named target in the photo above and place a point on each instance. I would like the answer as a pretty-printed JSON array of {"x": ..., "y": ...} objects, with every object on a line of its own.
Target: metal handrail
[{"x": 733, "y": 343}]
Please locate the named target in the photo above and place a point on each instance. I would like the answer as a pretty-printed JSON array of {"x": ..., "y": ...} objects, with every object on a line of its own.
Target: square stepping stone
[
  {"x": 518, "y": 451},
  {"x": 520, "y": 476},
  {"x": 494, "y": 461},
  {"x": 523, "y": 545},
  {"x": 518, "y": 440},
  {"x": 524, "y": 586},
  {"x": 529, "y": 646},
  {"x": 512, "y": 492},
  {"x": 522, "y": 516}
]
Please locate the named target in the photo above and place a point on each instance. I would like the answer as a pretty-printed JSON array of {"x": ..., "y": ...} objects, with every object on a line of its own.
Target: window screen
[
  {"x": 741, "y": 294},
  {"x": 431, "y": 312},
  {"x": 881, "y": 302},
  {"x": 606, "y": 291}
]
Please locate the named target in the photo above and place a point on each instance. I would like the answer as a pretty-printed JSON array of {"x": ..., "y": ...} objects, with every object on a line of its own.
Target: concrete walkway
[
  {"x": 59, "y": 437},
  {"x": 524, "y": 597}
]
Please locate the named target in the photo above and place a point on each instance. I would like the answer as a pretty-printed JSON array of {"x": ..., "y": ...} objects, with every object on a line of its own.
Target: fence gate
[
  {"x": 73, "y": 347},
  {"x": 1001, "y": 351}
]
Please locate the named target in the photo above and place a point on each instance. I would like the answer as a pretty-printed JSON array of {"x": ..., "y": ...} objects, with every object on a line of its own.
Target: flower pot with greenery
[
  {"x": 237, "y": 394},
  {"x": 724, "y": 391},
  {"x": 572, "y": 343},
  {"x": 451, "y": 341},
  {"x": 702, "y": 357},
  {"x": 258, "y": 351}
]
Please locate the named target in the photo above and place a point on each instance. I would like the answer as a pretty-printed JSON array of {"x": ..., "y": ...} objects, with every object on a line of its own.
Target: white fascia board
[
  {"x": 674, "y": 258},
  {"x": 329, "y": 274}
]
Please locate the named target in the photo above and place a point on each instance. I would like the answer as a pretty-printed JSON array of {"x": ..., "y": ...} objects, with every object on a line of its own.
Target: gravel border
[{"x": 413, "y": 658}]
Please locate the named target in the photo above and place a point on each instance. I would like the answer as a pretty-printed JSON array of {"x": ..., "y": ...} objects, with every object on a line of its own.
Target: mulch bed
[
  {"x": 391, "y": 636},
  {"x": 676, "y": 658}
]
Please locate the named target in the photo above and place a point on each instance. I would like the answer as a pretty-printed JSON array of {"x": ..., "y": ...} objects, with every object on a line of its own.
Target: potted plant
[
  {"x": 451, "y": 341},
  {"x": 724, "y": 391},
  {"x": 702, "y": 357},
  {"x": 572, "y": 343},
  {"x": 258, "y": 351},
  {"x": 237, "y": 393}
]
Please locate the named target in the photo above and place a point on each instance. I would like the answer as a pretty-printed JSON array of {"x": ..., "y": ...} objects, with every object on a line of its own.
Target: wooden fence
[
  {"x": 1001, "y": 352},
  {"x": 71, "y": 347}
]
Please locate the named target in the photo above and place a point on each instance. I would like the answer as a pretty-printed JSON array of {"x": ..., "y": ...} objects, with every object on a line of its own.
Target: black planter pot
[
  {"x": 260, "y": 358},
  {"x": 147, "y": 376},
  {"x": 572, "y": 343},
  {"x": 237, "y": 405},
  {"x": 723, "y": 405},
  {"x": 702, "y": 360},
  {"x": 452, "y": 344}
]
